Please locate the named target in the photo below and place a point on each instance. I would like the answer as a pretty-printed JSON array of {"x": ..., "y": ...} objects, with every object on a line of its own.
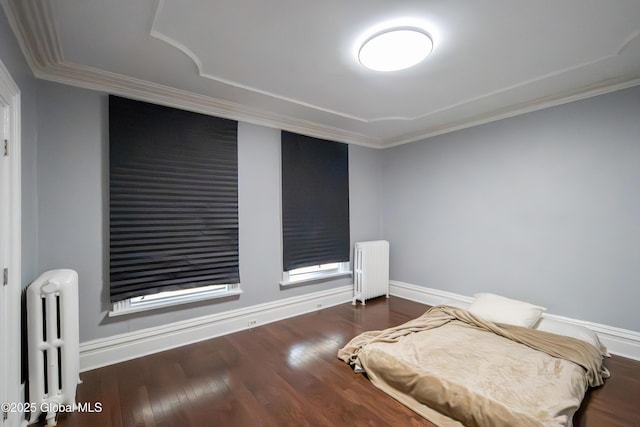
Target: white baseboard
[
  {"x": 118, "y": 348},
  {"x": 122, "y": 347},
  {"x": 622, "y": 342},
  {"x": 425, "y": 295}
]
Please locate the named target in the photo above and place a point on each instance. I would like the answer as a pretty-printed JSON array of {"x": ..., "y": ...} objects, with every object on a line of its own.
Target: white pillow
[
  {"x": 497, "y": 309},
  {"x": 570, "y": 330}
]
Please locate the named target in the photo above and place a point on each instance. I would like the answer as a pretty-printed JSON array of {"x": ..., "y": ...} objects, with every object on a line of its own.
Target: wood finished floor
[{"x": 287, "y": 374}]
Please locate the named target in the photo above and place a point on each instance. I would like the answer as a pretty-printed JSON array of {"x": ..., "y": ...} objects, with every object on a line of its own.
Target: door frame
[{"x": 10, "y": 97}]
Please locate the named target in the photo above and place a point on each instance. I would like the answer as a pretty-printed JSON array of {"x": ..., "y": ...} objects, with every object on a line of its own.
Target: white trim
[
  {"x": 11, "y": 94},
  {"x": 118, "y": 348},
  {"x": 341, "y": 270},
  {"x": 126, "y": 306},
  {"x": 155, "y": 32},
  {"x": 34, "y": 25},
  {"x": 623, "y": 342},
  {"x": 517, "y": 110},
  {"x": 118, "y": 84},
  {"x": 313, "y": 277},
  {"x": 424, "y": 295}
]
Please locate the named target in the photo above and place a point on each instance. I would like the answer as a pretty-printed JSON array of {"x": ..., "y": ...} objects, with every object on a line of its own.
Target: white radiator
[
  {"x": 53, "y": 339},
  {"x": 371, "y": 270}
]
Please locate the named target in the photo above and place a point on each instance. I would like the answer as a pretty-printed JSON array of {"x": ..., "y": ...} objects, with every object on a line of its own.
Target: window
[
  {"x": 315, "y": 208},
  {"x": 169, "y": 298},
  {"x": 173, "y": 205},
  {"x": 315, "y": 272}
]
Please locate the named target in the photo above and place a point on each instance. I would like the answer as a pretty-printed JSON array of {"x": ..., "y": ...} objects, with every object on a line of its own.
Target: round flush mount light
[{"x": 395, "y": 49}]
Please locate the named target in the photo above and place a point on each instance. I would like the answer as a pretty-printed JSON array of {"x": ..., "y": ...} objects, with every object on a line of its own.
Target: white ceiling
[{"x": 291, "y": 64}]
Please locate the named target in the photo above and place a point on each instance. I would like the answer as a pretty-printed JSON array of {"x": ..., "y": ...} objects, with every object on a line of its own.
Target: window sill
[
  {"x": 315, "y": 277},
  {"x": 152, "y": 305}
]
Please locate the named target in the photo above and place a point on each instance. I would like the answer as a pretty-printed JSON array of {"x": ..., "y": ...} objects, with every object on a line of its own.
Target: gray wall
[
  {"x": 543, "y": 207},
  {"x": 72, "y": 210},
  {"x": 12, "y": 58}
]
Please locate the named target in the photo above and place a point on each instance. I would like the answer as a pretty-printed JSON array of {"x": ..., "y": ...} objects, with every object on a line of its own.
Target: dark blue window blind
[
  {"x": 173, "y": 180},
  {"x": 315, "y": 201}
]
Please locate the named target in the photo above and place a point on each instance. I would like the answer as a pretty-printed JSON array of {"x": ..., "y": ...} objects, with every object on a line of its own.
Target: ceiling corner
[{"x": 33, "y": 24}]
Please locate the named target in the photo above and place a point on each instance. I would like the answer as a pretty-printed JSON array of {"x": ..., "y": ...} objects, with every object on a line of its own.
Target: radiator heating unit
[
  {"x": 53, "y": 339},
  {"x": 371, "y": 270}
]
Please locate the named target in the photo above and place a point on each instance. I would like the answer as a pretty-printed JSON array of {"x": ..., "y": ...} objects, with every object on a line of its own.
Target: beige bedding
[{"x": 455, "y": 369}]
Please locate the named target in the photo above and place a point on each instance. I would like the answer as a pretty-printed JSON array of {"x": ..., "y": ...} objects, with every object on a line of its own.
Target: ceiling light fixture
[{"x": 395, "y": 49}]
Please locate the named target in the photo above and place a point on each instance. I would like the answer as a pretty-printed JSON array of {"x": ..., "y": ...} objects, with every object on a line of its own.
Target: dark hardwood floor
[{"x": 287, "y": 374}]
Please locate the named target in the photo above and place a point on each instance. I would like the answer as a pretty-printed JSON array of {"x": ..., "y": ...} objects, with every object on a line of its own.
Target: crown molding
[
  {"x": 33, "y": 23},
  {"x": 623, "y": 45},
  {"x": 117, "y": 84},
  {"x": 158, "y": 34},
  {"x": 35, "y": 29},
  {"x": 523, "y": 108}
]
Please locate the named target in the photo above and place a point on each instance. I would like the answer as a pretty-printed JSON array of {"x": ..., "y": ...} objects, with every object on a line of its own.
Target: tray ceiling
[{"x": 292, "y": 64}]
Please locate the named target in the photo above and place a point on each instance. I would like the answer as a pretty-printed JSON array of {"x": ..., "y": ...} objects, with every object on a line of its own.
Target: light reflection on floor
[
  {"x": 195, "y": 391},
  {"x": 303, "y": 354}
]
